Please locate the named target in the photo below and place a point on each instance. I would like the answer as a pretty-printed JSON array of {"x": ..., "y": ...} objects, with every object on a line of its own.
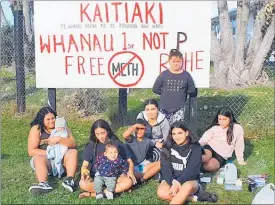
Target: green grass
[
  {"x": 17, "y": 175},
  {"x": 253, "y": 107}
]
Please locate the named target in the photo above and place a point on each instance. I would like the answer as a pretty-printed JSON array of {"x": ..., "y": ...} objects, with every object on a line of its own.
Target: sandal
[{"x": 85, "y": 195}]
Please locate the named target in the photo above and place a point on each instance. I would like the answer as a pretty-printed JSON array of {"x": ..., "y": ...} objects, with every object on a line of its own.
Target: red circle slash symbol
[{"x": 122, "y": 68}]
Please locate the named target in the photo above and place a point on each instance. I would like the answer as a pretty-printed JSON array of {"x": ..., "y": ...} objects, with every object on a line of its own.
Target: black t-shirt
[{"x": 90, "y": 153}]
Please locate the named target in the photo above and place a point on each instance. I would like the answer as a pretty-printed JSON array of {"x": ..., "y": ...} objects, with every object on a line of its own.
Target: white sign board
[{"x": 112, "y": 44}]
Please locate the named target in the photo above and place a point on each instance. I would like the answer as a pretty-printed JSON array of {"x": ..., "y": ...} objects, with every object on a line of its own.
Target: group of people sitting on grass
[{"x": 158, "y": 145}]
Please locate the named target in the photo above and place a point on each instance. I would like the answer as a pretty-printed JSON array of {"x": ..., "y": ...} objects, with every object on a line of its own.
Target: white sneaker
[
  {"x": 109, "y": 195},
  {"x": 99, "y": 196}
]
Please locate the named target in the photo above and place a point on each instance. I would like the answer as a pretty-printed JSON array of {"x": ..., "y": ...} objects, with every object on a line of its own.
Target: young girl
[
  {"x": 101, "y": 135},
  {"x": 157, "y": 127},
  {"x": 173, "y": 85},
  {"x": 139, "y": 146},
  {"x": 224, "y": 136},
  {"x": 180, "y": 168}
]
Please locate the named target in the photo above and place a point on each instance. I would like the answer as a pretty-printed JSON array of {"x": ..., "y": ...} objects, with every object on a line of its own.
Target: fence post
[
  {"x": 122, "y": 104},
  {"x": 19, "y": 56},
  {"x": 193, "y": 120},
  {"x": 52, "y": 98}
]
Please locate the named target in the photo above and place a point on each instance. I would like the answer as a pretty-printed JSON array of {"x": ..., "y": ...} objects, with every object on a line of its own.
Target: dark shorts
[{"x": 215, "y": 155}]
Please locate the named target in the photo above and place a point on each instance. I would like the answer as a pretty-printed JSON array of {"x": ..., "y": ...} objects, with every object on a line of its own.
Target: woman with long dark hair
[
  {"x": 100, "y": 135},
  {"x": 180, "y": 166},
  {"x": 38, "y": 140},
  {"x": 223, "y": 136}
]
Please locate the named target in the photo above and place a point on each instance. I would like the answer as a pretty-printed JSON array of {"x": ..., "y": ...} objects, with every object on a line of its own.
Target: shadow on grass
[
  {"x": 249, "y": 147},
  {"x": 4, "y": 156}
]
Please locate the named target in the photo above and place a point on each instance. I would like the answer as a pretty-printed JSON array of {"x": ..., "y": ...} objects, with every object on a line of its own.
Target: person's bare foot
[{"x": 86, "y": 195}]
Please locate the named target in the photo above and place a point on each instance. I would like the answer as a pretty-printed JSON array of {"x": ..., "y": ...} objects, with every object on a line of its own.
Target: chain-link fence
[{"x": 253, "y": 104}]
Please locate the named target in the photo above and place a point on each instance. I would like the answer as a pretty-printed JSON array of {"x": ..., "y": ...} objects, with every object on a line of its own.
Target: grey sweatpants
[{"x": 99, "y": 181}]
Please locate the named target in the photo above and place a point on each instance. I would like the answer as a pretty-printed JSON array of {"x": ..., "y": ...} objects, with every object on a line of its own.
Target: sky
[{"x": 9, "y": 16}]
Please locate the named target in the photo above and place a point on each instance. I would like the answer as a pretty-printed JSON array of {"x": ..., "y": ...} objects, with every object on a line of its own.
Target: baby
[
  {"x": 109, "y": 166},
  {"x": 55, "y": 153},
  {"x": 60, "y": 131}
]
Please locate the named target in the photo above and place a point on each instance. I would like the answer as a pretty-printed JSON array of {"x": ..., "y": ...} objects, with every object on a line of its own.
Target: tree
[
  {"x": 29, "y": 50},
  {"x": 237, "y": 62}
]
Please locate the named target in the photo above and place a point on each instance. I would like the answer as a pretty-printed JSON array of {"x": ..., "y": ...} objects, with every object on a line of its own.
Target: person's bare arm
[
  {"x": 33, "y": 142},
  {"x": 130, "y": 172},
  {"x": 85, "y": 172},
  {"x": 68, "y": 142},
  {"x": 127, "y": 134}
]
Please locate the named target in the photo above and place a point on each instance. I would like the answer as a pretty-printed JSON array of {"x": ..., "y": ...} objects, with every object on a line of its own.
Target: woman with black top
[{"x": 100, "y": 135}]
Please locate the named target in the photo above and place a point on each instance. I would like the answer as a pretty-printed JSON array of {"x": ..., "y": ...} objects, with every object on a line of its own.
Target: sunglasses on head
[{"x": 141, "y": 128}]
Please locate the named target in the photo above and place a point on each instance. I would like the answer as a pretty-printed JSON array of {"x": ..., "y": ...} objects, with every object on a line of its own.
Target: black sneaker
[
  {"x": 41, "y": 188},
  {"x": 206, "y": 196},
  {"x": 69, "y": 184}
]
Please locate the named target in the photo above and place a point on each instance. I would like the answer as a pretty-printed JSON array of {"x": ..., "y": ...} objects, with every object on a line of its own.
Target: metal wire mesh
[{"x": 252, "y": 111}]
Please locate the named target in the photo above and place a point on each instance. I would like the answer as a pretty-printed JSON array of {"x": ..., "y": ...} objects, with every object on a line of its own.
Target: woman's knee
[
  {"x": 211, "y": 166},
  {"x": 84, "y": 185},
  {"x": 123, "y": 184},
  {"x": 190, "y": 187},
  {"x": 162, "y": 194},
  {"x": 127, "y": 181},
  {"x": 71, "y": 153},
  {"x": 207, "y": 156}
]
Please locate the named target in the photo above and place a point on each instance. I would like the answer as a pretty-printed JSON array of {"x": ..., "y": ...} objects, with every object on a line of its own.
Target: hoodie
[
  {"x": 183, "y": 165},
  {"x": 158, "y": 132}
]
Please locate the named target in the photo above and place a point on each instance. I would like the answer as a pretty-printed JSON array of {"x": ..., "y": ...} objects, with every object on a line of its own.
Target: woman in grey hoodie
[{"x": 157, "y": 128}]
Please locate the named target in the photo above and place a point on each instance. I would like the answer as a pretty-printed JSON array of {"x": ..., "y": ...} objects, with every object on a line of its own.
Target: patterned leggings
[{"x": 178, "y": 115}]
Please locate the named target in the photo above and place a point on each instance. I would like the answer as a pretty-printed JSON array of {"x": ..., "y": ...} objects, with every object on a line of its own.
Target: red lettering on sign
[
  {"x": 83, "y": 64},
  {"x": 197, "y": 59},
  {"x": 97, "y": 13},
  {"x": 162, "y": 62},
  {"x": 61, "y": 43},
  {"x": 185, "y": 61},
  {"x": 72, "y": 42},
  {"x": 45, "y": 45},
  {"x": 116, "y": 9},
  {"x": 137, "y": 13},
  {"x": 83, "y": 12},
  {"x": 188, "y": 61},
  {"x": 87, "y": 42},
  {"x": 80, "y": 62},
  {"x": 148, "y": 13},
  {"x": 66, "y": 64},
  {"x": 155, "y": 40},
  {"x": 99, "y": 65}
]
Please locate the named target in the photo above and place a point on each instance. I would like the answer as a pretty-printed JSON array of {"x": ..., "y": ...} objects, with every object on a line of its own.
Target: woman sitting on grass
[
  {"x": 39, "y": 138},
  {"x": 223, "y": 137},
  {"x": 101, "y": 134},
  {"x": 180, "y": 168},
  {"x": 157, "y": 127}
]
